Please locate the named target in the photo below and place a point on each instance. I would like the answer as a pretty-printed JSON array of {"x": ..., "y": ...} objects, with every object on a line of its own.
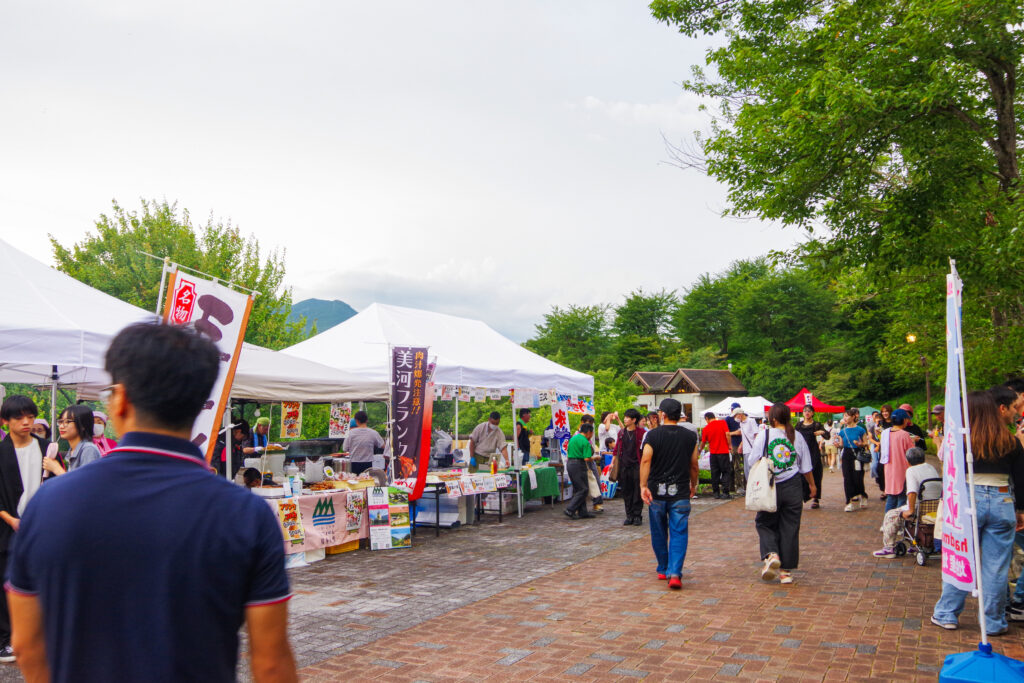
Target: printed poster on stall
[
  {"x": 560, "y": 423},
  {"x": 222, "y": 315},
  {"x": 958, "y": 566},
  {"x": 332, "y": 518},
  {"x": 291, "y": 420},
  {"x": 388, "y": 509},
  {"x": 341, "y": 416},
  {"x": 412, "y": 402},
  {"x": 291, "y": 521}
]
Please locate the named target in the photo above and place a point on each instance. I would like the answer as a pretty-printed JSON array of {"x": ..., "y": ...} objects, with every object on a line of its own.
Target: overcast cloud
[{"x": 487, "y": 159}]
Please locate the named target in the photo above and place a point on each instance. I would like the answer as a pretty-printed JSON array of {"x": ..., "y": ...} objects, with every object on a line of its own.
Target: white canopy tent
[
  {"x": 468, "y": 352},
  {"x": 754, "y": 406},
  {"x": 58, "y": 325}
]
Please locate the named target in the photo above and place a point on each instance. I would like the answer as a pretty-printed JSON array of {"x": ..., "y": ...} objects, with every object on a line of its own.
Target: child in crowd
[{"x": 892, "y": 525}]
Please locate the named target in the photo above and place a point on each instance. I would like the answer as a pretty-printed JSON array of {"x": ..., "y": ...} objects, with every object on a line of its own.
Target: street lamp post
[{"x": 911, "y": 338}]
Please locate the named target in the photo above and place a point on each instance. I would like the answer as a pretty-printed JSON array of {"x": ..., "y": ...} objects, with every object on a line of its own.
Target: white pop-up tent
[
  {"x": 754, "y": 406},
  {"x": 468, "y": 352},
  {"x": 53, "y": 324}
]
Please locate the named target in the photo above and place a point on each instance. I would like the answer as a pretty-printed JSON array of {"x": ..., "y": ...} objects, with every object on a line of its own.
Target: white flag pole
[{"x": 957, "y": 312}]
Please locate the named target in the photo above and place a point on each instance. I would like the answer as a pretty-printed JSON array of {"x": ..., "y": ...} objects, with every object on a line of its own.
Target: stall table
[{"x": 321, "y": 519}]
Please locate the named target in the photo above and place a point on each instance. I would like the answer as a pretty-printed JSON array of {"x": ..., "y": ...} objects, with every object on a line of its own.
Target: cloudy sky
[{"x": 487, "y": 159}]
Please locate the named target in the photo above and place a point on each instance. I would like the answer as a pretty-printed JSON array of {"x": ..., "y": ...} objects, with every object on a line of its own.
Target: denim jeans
[
  {"x": 996, "y": 523},
  {"x": 1018, "y": 594},
  {"x": 669, "y": 534},
  {"x": 892, "y": 502}
]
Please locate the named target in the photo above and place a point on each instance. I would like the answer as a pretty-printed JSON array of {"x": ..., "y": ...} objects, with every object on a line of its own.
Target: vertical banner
[
  {"x": 221, "y": 314},
  {"x": 560, "y": 423},
  {"x": 958, "y": 566},
  {"x": 341, "y": 416},
  {"x": 291, "y": 419},
  {"x": 409, "y": 394}
]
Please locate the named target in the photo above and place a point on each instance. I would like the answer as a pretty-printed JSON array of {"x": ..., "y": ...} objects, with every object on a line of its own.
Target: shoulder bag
[
  {"x": 860, "y": 454},
  {"x": 761, "y": 484}
]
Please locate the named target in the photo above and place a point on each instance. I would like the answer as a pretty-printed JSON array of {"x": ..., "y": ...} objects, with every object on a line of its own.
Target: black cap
[{"x": 671, "y": 407}]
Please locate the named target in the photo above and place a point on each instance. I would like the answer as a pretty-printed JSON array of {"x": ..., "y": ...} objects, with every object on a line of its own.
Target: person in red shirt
[{"x": 715, "y": 435}]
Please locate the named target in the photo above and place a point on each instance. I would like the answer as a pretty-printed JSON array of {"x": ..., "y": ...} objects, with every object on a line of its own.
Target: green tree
[
  {"x": 111, "y": 260},
  {"x": 887, "y": 130},
  {"x": 577, "y": 337}
]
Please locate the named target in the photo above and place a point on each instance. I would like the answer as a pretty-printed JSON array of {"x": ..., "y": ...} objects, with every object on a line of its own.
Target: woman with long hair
[
  {"x": 811, "y": 429},
  {"x": 998, "y": 471},
  {"x": 789, "y": 458},
  {"x": 853, "y": 437},
  {"x": 75, "y": 425}
]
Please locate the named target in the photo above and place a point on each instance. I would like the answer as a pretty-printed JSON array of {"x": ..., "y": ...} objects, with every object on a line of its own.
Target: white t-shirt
[
  {"x": 610, "y": 432},
  {"x": 917, "y": 474},
  {"x": 788, "y": 459},
  {"x": 749, "y": 430},
  {"x": 30, "y": 462}
]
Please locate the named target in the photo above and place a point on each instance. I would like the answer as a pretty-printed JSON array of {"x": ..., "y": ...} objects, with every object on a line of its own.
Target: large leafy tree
[
  {"x": 885, "y": 128},
  {"x": 113, "y": 260},
  {"x": 577, "y": 336}
]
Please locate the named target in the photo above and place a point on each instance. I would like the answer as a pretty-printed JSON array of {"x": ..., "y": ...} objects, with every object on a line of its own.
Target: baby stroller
[{"x": 919, "y": 531}]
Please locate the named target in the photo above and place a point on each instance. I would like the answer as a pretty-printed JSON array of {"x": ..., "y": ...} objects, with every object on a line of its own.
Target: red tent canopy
[{"x": 803, "y": 397}]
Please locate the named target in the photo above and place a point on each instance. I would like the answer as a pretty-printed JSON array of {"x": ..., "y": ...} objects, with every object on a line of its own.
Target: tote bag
[{"x": 761, "y": 484}]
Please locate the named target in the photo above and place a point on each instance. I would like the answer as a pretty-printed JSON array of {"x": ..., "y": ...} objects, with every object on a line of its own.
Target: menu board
[
  {"x": 291, "y": 420},
  {"x": 389, "y": 518},
  {"x": 341, "y": 416},
  {"x": 291, "y": 521}
]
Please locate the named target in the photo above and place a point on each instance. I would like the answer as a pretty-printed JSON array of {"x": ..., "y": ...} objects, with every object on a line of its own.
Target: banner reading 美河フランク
[
  {"x": 409, "y": 396},
  {"x": 958, "y": 566},
  {"x": 221, "y": 314}
]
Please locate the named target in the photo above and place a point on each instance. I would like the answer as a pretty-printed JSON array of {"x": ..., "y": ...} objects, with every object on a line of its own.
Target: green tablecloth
[{"x": 547, "y": 483}]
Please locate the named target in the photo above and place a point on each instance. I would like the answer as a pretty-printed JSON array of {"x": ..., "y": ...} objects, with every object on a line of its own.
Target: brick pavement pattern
[{"x": 848, "y": 616}]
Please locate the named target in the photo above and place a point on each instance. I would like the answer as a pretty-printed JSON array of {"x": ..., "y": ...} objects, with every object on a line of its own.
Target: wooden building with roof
[{"x": 697, "y": 389}]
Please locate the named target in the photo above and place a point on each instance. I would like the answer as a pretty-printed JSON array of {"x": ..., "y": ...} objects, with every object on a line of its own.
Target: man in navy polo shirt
[{"x": 143, "y": 566}]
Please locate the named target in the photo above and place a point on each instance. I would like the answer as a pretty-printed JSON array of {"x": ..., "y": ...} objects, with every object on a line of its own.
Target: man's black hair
[
  {"x": 586, "y": 427},
  {"x": 243, "y": 426},
  {"x": 18, "y": 406},
  {"x": 587, "y": 419},
  {"x": 523, "y": 412},
  {"x": 167, "y": 372},
  {"x": 495, "y": 415},
  {"x": 251, "y": 475},
  {"x": 708, "y": 415},
  {"x": 1016, "y": 384},
  {"x": 633, "y": 413},
  {"x": 609, "y": 442},
  {"x": 361, "y": 417},
  {"x": 1003, "y": 395},
  {"x": 81, "y": 415},
  {"x": 674, "y": 414}
]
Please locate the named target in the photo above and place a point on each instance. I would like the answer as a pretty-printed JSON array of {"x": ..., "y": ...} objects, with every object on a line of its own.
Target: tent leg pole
[
  {"x": 227, "y": 442},
  {"x": 53, "y": 402}
]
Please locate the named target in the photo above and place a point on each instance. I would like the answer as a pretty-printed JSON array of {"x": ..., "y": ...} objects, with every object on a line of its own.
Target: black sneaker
[
  {"x": 638, "y": 521},
  {"x": 6, "y": 654},
  {"x": 1015, "y": 612},
  {"x": 628, "y": 522}
]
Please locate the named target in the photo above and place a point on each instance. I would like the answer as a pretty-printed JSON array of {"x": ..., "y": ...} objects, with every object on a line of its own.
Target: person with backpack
[{"x": 789, "y": 458}]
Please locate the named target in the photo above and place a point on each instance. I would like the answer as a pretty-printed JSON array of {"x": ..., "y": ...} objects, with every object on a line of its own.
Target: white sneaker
[
  {"x": 863, "y": 502},
  {"x": 771, "y": 567},
  {"x": 785, "y": 577},
  {"x": 848, "y": 508}
]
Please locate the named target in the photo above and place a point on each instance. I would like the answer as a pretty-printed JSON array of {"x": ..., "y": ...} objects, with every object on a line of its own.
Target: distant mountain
[{"x": 326, "y": 314}]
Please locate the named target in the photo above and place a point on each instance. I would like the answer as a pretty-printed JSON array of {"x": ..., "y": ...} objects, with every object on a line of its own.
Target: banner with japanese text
[
  {"x": 291, "y": 419},
  {"x": 221, "y": 314},
  {"x": 410, "y": 394},
  {"x": 958, "y": 566},
  {"x": 560, "y": 423},
  {"x": 341, "y": 418}
]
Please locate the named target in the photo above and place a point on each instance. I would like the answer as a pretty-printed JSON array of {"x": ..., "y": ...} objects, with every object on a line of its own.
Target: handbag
[
  {"x": 593, "y": 487},
  {"x": 761, "y": 484},
  {"x": 613, "y": 469}
]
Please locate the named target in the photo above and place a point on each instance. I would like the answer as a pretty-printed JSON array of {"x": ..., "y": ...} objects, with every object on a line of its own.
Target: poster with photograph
[
  {"x": 291, "y": 420},
  {"x": 341, "y": 416},
  {"x": 355, "y": 508},
  {"x": 390, "y": 522}
]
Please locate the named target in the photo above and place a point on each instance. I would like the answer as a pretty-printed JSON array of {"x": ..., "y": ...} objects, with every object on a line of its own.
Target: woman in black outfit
[
  {"x": 853, "y": 436},
  {"x": 811, "y": 429}
]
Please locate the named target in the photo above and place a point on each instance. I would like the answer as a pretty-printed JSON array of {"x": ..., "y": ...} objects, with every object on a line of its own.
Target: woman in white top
[
  {"x": 76, "y": 427},
  {"x": 607, "y": 430},
  {"x": 789, "y": 457}
]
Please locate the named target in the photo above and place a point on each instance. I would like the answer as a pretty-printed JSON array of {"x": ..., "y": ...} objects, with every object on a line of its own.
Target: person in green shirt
[{"x": 580, "y": 451}]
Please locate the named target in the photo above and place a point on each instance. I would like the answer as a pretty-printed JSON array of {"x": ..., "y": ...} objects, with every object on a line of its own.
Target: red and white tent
[{"x": 805, "y": 397}]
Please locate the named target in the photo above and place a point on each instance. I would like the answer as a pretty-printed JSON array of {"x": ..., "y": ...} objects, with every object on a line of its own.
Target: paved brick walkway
[{"x": 849, "y": 616}]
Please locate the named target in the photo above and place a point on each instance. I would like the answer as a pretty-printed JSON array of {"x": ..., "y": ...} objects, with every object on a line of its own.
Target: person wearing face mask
[
  {"x": 41, "y": 429},
  {"x": 104, "y": 443},
  {"x": 75, "y": 425}
]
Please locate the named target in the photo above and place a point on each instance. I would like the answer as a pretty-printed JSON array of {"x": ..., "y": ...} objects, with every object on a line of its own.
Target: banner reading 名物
[
  {"x": 410, "y": 393},
  {"x": 221, "y": 314},
  {"x": 958, "y": 566}
]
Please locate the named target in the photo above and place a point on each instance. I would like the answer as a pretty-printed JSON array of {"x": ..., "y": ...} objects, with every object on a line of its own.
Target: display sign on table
[
  {"x": 412, "y": 401},
  {"x": 341, "y": 417},
  {"x": 291, "y": 521},
  {"x": 222, "y": 315},
  {"x": 388, "y": 510},
  {"x": 321, "y": 520},
  {"x": 958, "y": 566},
  {"x": 291, "y": 420}
]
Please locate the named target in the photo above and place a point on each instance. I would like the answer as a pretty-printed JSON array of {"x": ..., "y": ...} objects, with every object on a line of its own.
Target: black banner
[{"x": 409, "y": 399}]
